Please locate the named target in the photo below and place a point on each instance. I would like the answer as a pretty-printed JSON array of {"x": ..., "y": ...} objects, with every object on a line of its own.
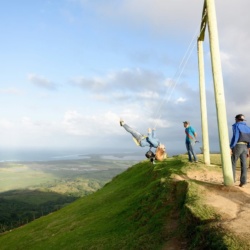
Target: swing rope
[{"x": 173, "y": 82}]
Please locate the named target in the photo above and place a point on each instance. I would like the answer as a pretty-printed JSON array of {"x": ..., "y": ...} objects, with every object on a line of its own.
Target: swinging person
[{"x": 147, "y": 141}]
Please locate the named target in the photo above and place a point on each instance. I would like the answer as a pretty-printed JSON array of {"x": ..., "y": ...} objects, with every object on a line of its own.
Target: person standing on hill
[
  {"x": 191, "y": 136},
  {"x": 240, "y": 147}
]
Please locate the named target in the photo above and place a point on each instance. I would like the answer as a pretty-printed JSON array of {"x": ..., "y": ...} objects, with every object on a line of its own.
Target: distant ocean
[
  {"x": 72, "y": 154},
  {"x": 53, "y": 155}
]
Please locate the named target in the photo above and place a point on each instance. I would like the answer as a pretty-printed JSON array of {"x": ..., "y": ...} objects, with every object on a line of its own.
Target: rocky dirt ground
[{"x": 232, "y": 203}]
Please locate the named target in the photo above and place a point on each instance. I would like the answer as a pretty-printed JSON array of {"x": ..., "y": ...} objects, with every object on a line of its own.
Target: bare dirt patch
[{"x": 231, "y": 203}]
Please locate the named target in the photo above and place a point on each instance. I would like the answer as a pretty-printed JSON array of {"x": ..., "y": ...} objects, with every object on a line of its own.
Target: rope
[{"x": 176, "y": 76}]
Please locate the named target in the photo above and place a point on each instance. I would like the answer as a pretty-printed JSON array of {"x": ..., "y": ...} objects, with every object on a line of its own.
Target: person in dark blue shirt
[
  {"x": 240, "y": 147},
  {"x": 190, "y": 141}
]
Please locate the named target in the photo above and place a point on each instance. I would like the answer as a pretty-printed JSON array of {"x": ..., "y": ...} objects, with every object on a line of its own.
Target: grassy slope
[
  {"x": 127, "y": 213},
  {"x": 130, "y": 212}
]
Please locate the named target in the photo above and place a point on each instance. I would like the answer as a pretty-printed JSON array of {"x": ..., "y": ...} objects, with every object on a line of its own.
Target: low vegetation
[
  {"x": 29, "y": 190},
  {"x": 142, "y": 208}
]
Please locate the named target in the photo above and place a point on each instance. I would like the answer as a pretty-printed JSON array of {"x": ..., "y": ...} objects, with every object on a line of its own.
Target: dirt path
[{"x": 232, "y": 203}]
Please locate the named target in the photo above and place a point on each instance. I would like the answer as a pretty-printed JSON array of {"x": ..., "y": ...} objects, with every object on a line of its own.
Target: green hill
[{"x": 142, "y": 208}]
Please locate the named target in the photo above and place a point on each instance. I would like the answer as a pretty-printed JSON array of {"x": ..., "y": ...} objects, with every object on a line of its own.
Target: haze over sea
[{"x": 70, "y": 154}]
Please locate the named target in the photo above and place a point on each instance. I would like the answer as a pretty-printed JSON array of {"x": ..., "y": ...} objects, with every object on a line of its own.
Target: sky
[{"x": 70, "y": 69}]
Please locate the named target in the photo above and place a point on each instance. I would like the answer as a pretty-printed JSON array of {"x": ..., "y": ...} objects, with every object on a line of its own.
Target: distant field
[
  {"x": 29, "y": 190},
  {"x": 22, "y": 175}
]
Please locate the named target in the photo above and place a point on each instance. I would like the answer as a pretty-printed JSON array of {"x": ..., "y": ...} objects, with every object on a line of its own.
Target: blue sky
[{"x": 71, "y": 68}]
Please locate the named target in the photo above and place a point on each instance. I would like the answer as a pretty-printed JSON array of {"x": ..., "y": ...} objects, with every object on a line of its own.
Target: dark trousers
[{"x": 240, "y": 151}]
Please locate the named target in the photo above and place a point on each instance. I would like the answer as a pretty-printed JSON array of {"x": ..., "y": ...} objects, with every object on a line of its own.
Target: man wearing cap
[
  {"x": 240, "y": 147},
  {"x": 190, "y": 140}
]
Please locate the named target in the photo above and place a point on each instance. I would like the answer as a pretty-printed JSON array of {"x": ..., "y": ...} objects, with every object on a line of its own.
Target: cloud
[
  {"x": 148, "y": 94},
  {"x": 11, "y": 91},
  {"x": 6, "y": 124},
  {"x": 126, "y": 79},
  {"x": 26, "y": 132},
  {"x": 145, "y": 92},
  {"x": 180, "y": 99},
  {"x": 160, "y": 15},
  {"x": 96, "y": 125},
  {"x": 141, "y": 91},
  {"x": 124, "y": 84},
  {"x": 94, "y": 84},
  {"x": 41, "y": 82}
]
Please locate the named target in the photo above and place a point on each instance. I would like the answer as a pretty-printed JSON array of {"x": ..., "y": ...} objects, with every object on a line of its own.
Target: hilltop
[{"x": 169, "y": 205}]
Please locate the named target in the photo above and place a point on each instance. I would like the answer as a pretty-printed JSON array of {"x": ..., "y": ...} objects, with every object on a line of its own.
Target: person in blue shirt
[
  {"x": 240, "y": 147},
  {"x": 191, "y": 136}
]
